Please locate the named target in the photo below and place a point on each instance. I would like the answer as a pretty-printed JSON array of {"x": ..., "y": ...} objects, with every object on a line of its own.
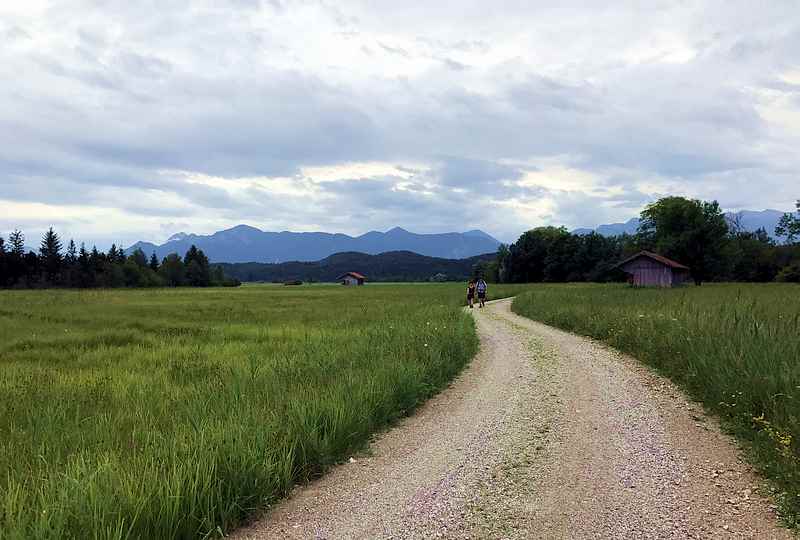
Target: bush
[{"x": 789, "y": 274}]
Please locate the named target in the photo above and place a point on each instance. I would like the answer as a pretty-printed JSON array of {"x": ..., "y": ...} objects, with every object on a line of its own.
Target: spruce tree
[
  {"x": 173, "y": 270},
  {"x": 15, "y": 266},
  {"x": 16, "y": 242},
  {"x": 50, "y": 256},
  {"x": 3, "y": 263},
  {"x": 154, "y": 262},
  {"x": 198, "y": 272},
  {"x": 86, "y": 276},
  {"x": 139, "y": 258},
  {"x": 72, "y": 253}
]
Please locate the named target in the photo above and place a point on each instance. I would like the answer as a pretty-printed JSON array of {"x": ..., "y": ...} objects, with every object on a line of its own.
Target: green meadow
[
  {"x": 177, "y": 413},
  {"x": 734, "y": 347}
]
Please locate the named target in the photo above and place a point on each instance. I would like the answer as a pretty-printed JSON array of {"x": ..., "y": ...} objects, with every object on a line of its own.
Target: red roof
[
  {"x": 352, "y": 274},
  {"x": 656, "y": 257}
]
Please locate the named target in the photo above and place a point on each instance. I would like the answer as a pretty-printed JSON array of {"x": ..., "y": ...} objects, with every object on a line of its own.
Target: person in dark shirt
[{"x": 470, "y": 292}]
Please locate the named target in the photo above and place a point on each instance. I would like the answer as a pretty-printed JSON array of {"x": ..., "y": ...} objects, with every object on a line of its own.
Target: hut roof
[
  {"x": 352, "y": 274},
  {"x": 656, "y": 257}
]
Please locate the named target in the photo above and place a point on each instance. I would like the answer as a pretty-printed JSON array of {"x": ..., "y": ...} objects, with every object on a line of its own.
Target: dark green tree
[
  {"x": 4, "y": 277},
  {"x": 172, "y": 270},
  {"x": 154, "y": 262},
  {"x": 71, "y": 256},
  {"x": 198, "y": 271},
  {"x": 134, "y": 274},
  {"x": 503, "y": 255},
  {"x": 690, "y": 231},
  {"x": 752, "y": 256},
  {"x": 139, "y": 258},
  {"x": 50, "y": 256},
  {"x": 217, "y": 276},
  {"x": 789, "y": 226},
  {"x": 86, "y": 276},
  {"x": 16, "y": 242},
  {"x": 538, "y": 255}
]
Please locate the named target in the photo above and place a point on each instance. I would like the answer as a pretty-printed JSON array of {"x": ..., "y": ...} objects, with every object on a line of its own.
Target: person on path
[
  {"x": 481, "y": 288},
  {"x": 470, "y": 292}
]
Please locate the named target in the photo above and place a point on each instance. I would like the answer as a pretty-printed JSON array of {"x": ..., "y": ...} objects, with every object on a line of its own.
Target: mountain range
[
  {"x": 248, "y": 244},
  {"x": 748, "y": 220}
]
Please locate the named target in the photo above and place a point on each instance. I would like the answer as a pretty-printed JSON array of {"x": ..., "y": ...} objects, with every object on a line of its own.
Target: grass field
[
  {"x": 735, "y": 347},
  {"x": 176, "y": 413}
]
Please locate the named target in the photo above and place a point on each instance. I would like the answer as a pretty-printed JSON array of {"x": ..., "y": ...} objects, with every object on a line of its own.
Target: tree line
[
  {"x": 693, "y": 232},
  {"x": 56, "y": 266}
]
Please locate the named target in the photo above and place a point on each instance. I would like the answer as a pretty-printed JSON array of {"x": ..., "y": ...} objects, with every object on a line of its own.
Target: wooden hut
[
  {"x": 351, "y": 278},
  {"x": 647, "y": 269}
]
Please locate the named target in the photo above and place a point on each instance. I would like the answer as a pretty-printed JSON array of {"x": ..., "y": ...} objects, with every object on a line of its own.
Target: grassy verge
[
  {"x": 177, "y": 413},
  {"x": 734, "y": 347}
]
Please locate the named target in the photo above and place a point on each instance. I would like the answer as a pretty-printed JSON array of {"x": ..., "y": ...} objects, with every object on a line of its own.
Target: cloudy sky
[{"x": 122, "y": 121}]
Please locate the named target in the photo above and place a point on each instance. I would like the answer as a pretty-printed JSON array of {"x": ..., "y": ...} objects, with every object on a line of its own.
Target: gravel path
[{"x": 544, "y": 435}]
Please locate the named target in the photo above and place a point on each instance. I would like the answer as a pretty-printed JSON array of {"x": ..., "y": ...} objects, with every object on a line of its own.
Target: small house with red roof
[
  {"x": 351, "y": 278},
  {"x": 648, "y": 269}
]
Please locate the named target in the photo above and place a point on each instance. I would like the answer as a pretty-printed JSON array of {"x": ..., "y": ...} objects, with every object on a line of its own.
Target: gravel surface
[{"x": 544, "y": 435}]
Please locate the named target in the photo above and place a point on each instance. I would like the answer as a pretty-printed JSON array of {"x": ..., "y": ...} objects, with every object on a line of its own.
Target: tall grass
[
  {"x": 734, "y": 347},
  {"x": 177, "y": 413}
]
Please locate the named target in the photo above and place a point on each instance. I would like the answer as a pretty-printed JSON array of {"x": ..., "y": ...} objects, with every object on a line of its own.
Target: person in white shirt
[{"x": 481, "y": 287}]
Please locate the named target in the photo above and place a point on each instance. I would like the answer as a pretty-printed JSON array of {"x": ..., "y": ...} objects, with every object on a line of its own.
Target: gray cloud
[{"x": 705, "y": 102}]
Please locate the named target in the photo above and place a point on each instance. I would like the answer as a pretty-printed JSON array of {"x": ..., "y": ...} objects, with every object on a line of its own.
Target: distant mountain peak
[
  {"x": 177, "y": 237},
  {"x": 397, "y": 230},
  {"x": 242, "y": 228},
  {"x": 478, "y": 233}
]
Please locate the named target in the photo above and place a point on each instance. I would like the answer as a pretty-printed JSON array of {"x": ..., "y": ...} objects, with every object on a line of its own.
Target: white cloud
[{"x": 368, "y": 114}]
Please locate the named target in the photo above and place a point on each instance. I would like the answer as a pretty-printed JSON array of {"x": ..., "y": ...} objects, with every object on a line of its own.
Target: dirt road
[{"x": 545, "y": 435}]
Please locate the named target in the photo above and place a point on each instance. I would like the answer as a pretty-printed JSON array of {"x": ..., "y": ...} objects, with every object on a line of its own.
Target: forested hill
[{"x": 389, "y": 266}]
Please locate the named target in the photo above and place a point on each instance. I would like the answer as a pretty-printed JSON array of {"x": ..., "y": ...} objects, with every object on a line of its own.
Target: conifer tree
[
  {"x": 173, "y": 270},
  {"x": 72, "y": 253},
  {"x": 198, "y": 272},
  {"x": 139, "y": 258},
  {"x": 3, "y": 263},
  {"x": 15, "y": 265},
  {"x": 154, "y": 262},
  {"x": 50, "y": 254},
  {"x": 16, "y": 242},
  {"x": 85, "y": 273}
]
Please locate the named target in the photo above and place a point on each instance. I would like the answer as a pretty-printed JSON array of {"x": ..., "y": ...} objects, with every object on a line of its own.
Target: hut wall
[
  {"x": 649, "y": 273},
  {"x": 679, "y": 277}
]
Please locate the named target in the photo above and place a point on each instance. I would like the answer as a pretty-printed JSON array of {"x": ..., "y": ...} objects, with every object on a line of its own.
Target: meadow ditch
[
  {"x": 733, "y": 347},
  {"x": 176, "y": 413}
]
